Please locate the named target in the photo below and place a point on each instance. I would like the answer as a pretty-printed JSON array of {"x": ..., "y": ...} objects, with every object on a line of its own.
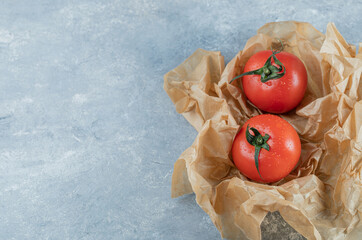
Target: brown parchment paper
[{"x": 321, "y": 198}]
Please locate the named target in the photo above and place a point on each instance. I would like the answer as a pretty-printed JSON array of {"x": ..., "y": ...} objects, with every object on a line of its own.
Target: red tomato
[
  {"x": 283, "y": 143},
  {"x": 276, "y": 95}
]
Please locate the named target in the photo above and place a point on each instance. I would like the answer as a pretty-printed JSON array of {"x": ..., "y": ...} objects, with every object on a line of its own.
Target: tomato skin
[
  {"x": 284, "y": 149},
  {"x": 276, "y": 95}
]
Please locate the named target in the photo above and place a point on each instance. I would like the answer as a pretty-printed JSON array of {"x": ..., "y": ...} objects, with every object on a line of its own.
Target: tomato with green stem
[
  {"x": 274, "y": 81},
  {"x": 266, "y": 149}
]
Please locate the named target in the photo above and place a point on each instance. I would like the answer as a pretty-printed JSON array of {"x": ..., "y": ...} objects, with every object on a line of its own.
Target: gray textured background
[{"x": 88, "y": 135}]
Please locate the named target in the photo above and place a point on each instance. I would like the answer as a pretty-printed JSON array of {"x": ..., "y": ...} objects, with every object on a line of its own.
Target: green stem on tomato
[
  {"x": 268, "y": 71},
  {"x": 258, "y": 141}
]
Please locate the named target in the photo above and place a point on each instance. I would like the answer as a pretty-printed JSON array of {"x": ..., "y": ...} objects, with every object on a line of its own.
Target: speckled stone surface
[{"x": 88, "y": 135}]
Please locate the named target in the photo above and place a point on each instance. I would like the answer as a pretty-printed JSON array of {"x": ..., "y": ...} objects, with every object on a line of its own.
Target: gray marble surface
[{"x": 88, "y": 135}]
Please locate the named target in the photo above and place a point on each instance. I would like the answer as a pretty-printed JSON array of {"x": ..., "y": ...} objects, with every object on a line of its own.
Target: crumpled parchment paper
[{"x": 321, "y": 198}]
